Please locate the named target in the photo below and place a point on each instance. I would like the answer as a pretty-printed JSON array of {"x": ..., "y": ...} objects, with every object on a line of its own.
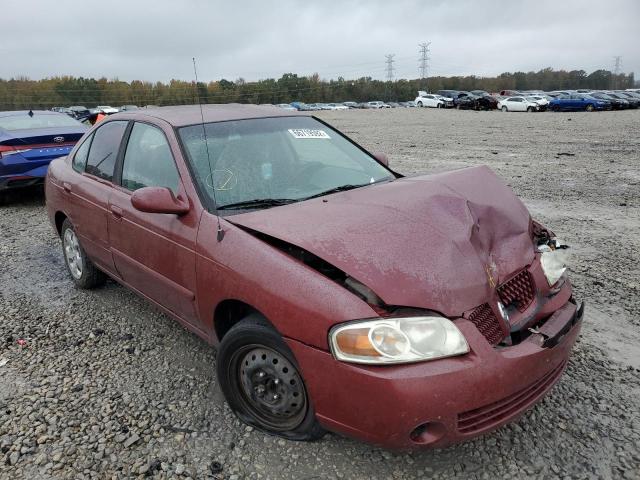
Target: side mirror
[
  {"x": 382, "y": 158},
  {"x": 158, "y": 200}
]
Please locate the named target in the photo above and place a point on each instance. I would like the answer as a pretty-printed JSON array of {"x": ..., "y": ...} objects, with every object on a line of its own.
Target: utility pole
[
  {"x": 389, "y": 62},
  {"x": 617, "y": 69},
  {"x": 424, "y": 63}
]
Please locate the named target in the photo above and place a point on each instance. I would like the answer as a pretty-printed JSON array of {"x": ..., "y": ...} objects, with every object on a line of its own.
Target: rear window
[{"x": 39, "y": 120}]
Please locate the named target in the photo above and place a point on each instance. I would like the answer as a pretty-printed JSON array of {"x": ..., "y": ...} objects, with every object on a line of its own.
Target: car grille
[
  {"x": 487, "y": 323},
  {"x": 485, "y": 417},
  {"x": 519, "y": 290}
]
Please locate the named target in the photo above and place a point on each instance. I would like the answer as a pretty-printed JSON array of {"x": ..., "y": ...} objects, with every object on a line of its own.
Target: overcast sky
[{"x": 156, "y": 39}]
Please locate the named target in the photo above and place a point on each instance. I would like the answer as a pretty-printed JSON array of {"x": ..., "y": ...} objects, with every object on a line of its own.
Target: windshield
[
  {"x": 284, "y": 159},
  {"x": 38, "y": 120}
]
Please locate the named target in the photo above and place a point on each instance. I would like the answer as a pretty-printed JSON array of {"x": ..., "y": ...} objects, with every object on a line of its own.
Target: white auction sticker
[{"x": 308, "y": 133}]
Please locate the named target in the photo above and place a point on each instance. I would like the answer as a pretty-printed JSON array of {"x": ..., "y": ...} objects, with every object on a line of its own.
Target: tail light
[{"x": 6, "y": 150}]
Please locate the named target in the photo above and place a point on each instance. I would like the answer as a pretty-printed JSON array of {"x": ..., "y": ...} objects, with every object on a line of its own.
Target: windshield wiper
[
  {"x": 341, "y": 188},
  {"x": 257, "y": 203}
]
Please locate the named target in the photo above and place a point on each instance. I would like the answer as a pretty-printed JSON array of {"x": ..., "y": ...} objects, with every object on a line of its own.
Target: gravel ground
[{"x": 104, "y": 386}]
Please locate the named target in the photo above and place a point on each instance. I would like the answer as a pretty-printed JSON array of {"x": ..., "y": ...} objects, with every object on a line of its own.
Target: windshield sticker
[{"x": 308, "y": 133}]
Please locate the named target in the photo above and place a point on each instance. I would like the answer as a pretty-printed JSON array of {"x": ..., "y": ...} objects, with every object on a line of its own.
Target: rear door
[
  {"x": 91, "y": 185},
  {"x": 154, "y": 253}
]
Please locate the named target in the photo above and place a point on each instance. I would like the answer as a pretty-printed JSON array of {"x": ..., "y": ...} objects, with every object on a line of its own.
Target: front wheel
[
  {"x": 420, "y": 104},
  {"x": 82, "y": 270},
  {"x": 589, "y": 108},
  {"x": 505, "y": 109},
  {"x": 261, "y": 381},
  {"x": 529, "y": 109}
]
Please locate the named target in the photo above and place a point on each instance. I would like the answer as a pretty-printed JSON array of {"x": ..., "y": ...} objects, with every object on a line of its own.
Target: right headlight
[
  {"x": 553, "y": 260},
  {"x": 396, "y": 340}
]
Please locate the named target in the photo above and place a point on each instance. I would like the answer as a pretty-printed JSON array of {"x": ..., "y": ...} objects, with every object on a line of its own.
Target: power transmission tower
[
  {"x": 424, "y": 63},
  {"x": 617, "y": 69},
  {"x": 390, "y": 69}
]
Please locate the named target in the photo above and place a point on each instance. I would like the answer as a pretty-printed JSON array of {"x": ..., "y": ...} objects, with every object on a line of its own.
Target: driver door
[{"x": 153, "y": 252}]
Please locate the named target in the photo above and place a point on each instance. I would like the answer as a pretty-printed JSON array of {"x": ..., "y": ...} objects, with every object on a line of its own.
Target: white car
[
  {"x": 517, "y": 104},
  {"x": 377, "y": 104},
  {"x": 286, "y": 106},
  {"x": 107, "y": 110},
  {"x": 539, "y": 99},
  {"x": 425, "y": 99},
  {"x": 337, "y": 106}
]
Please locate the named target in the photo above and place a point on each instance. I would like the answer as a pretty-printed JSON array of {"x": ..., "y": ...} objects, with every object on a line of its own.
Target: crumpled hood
[{"x": 430, "y": 241}]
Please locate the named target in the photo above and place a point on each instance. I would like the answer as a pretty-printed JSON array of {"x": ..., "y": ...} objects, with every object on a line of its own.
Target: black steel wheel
[{"x": 262, "y": 383}]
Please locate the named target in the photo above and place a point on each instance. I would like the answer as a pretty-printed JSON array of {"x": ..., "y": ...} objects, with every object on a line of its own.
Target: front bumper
[{"x": 437, "y": 403}]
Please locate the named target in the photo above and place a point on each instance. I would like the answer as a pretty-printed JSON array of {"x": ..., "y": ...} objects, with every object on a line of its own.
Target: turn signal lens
[{"x": 397, "y": 340}]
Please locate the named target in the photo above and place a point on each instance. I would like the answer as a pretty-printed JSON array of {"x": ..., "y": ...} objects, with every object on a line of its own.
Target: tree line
[{"x": 24, "y": 93}]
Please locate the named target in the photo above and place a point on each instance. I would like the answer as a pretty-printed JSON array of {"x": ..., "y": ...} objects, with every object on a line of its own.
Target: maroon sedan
[{"x": 403, "y": 311}]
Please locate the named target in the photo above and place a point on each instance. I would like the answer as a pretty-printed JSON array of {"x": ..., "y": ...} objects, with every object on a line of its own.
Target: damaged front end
[{"x": 529, "y": 302}]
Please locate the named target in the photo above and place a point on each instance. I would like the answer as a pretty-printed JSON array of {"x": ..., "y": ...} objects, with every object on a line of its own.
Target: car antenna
[{"x": 220, "y": 235}]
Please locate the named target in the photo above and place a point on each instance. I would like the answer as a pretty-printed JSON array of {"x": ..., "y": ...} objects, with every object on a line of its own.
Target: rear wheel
[
  {"x": 82, "y": 270},
  {"x": 261, "y": 381},
  {"x": 420, "y": 104},
  {"x": 504, "y": 108}
]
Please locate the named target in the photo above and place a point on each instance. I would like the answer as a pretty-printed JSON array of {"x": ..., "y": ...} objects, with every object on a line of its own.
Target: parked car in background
[
  {"x": 79, "y": 111},
  {"x": 425, "y": 99},
  {"x": 452, "y": 94},
  {"x": 377, "y": 104},
  {"x": 510, "y": 93},
  {"x": 468, "y": 101},
  {"x": 129, "y": 108},
  {"x": 30, "y": 140},
  {"x": 350, "y": 104},
  {"x": 270, "y": 228},
  {"x": 578, "y": 102},
  {"x": 286, "y": 106},
  {"x": 62, "y": 110},
  {"x": 337, "y": 106},
  {"x": 542, "y": 102},
  {"x": 616, "y": 103},
  {"x": 634, "y": 102},
  {"x": 518, "y": 104},
  {"x": 107, "y": 109}
]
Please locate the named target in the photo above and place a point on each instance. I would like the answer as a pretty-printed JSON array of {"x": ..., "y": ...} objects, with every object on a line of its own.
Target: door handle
[
  {"x": 66, "y": 187},
  {"x": 116, "y": 211}
]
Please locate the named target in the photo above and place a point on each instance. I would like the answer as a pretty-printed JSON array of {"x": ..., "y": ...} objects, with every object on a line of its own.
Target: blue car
[
  {"x": 578, "y": 102},
  {"x": 30, "y": 140}
]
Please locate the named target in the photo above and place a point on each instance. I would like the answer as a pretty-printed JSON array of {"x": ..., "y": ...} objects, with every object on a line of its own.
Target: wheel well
[
  {"x": 60, "y": 218},
  {"x": 228, "y": 313}
]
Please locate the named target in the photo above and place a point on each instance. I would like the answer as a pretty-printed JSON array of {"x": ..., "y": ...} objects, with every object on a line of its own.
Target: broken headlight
[
  {"x": 553, "y": 260},
  {"x": 397, "y": 340}
]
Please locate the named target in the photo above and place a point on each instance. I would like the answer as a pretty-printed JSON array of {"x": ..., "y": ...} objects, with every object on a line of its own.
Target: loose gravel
[{"x": 100, "y": 385}]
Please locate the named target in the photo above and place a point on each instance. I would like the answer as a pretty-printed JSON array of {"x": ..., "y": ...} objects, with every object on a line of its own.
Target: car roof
[
  {"x": 15, "y": 113},
  {"x": 183, "y": 115}
]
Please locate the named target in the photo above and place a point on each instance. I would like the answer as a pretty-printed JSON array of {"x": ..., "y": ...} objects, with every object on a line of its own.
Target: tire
[
  {"x": 438, "y": 105},
  {"x": 254, "y": 366},
  {"x": 529, "y": 109},
  {"x": 504, "y": 108},
  {"x": 82, "y": 270},
  {"x": 420, "y": 104},
  {"x": 589, "y": 108}
]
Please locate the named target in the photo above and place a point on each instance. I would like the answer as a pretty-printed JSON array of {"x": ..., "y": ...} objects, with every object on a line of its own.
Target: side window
[
  {"x": 104, "y": 149},
  {"x": 80, "y": 158},
  {"x": 148, "y": 161}
]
